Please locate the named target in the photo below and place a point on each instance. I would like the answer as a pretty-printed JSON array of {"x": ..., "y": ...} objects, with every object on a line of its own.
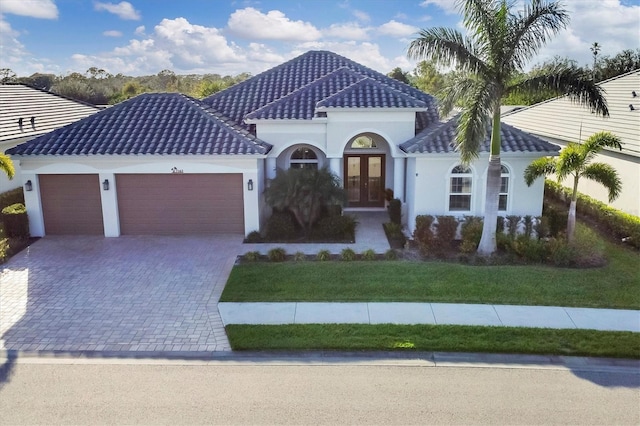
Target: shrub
[
  {"x": 16, "y": 221},
  {"x": 252, "y": 256},
  {"x": 391, "y": 254},
  {"x": 500, "y": 225},
  {"x": 388, "y": 194},
  {"x": 332, "y": 210},
  {"x": 446, "y": 232},
  {"x": 254, "y": 237},
  {"x": 348, "y": 255},
  {"x": 4, "y": 249},
  {"x": 395, "y": 211},
  {"x": 528, "y": 226},
  {"x": 471, "y": 232},
  {"x": 277, "y": 254},
  {"x": 512, "y": 225},
  {"x": 323, "y": 255},
  {"x": 280, "y": 226},
  {"x": 335, "y": 228},
  {"x": 423, "y": 234},
  {"x": 542, "y": 227},
  {"x": 299, "y": 256},
  {"x": 556, "y": 219},
  {"x": 369, "y": 255},
  {"x": 15, "y": 196}
]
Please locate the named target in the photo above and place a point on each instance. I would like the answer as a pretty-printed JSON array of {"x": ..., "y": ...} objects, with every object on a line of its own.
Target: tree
[
  {"x": 304, "y": 192},
  {"x": 622, "y": 63},
  {"x": 575, "y": 161},
  {"x": 595, "y": 49},
  {"x": 7, "y": 75},
  {"x": 398, "y": 74},
  {"x": 427, "y": 78},
  {"x": 497, "y": 47},
  {"x": 6, "y": 165}
]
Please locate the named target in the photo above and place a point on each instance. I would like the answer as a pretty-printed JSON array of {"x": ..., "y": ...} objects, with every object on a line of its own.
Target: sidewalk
[{"x": 430, "y": 313}]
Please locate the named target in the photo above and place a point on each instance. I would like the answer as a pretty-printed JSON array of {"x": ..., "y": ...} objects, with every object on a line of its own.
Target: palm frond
[
  {"x": 446, "y": 47},
  {"x": 6, "y": 165},
  {"x": 474, "y": 120},
  {"x": 572, "y": 82},
  {"x": 540, "y": 167},
  {"x": 570, "y": 161},
  {"x": 479, "y": 17},
  {"x": 458, "y": 89},
  {"x": 607, "y": 176}
]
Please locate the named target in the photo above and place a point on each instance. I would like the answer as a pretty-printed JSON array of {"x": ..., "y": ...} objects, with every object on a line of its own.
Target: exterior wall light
[
  {"x": 105, "y": 185},
  {"x": 28, "y": 186},
  {"x": 250, "y": 185}
]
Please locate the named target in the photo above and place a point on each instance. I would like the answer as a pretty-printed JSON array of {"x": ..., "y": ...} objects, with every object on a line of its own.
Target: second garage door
[{"x": 175, "y": 204}]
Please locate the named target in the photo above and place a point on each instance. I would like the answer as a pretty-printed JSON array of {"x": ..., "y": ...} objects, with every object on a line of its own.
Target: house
[
  {"x": 559, "y": 121},
  {"x": 26, "y": 113},
  {"x": 166, "y": 163}
]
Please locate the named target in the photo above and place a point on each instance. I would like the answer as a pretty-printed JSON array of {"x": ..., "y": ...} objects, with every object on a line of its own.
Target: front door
[{"x": 364, "y": 181}]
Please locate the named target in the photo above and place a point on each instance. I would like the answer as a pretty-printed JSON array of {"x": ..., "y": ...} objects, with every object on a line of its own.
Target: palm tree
[
  {"x": 575, "y": 160},
  {"x": 6, "y": 165},
  {"x": 498, "y": 46}
]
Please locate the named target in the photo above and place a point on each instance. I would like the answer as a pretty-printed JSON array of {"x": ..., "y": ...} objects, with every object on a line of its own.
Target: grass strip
[
  {"x": 442, "y": 338},
  {"x": 616, "y": 285}
]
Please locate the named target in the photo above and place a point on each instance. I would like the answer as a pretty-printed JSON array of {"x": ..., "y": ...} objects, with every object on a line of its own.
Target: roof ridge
[{"x": 371, "y": 80}]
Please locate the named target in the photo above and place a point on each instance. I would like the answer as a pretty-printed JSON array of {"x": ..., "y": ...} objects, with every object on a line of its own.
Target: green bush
[
  {"x": 500, "y": 224},
  {"x": 254, "y": 237},
  {"x": 445, "y": 233},
  {"x": 280, "y": 226},
  {"x": 335, "y": 228},
  {"x": 369, "y": 255},
  {"x": 556, "y": 219},
  {"x": 15, "y": 196},
  {"x": 252, "y": 256},
  {"x": 16, "y": 221},
  {"x": 323, "y": 255},
  {"x": 395, "y": 211},
  {"x": 528, "y": 226},
  {"x": 348, "y": 255},
  {"x": 542, "y": 227},
  {"x": 391, "y": 254},
  {"x": 471, "y": 232},
  {"x": 299, "y": 256},
  {"x": 277, "y": 254},
  {"x": 423, "y": 234},
  {"x": 4, "y": 249},
  {"x": 512, "y": 225}
]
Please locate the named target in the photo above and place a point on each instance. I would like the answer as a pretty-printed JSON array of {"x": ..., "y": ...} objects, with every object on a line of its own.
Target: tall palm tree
[
  {"x": 498, "y": 46},
  {"x": 575, "y": 160},
  {"x": 6, "y": 165}
]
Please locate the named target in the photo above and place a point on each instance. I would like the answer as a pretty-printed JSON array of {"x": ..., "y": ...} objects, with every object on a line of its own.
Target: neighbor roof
[
  {"x": 440, "y": 138},
  {"x": 20, "y": 103},
  {"x": 562, "y": 120},
  {"x": 151, "y": 123},
  {"x": 301, "y": 78}
]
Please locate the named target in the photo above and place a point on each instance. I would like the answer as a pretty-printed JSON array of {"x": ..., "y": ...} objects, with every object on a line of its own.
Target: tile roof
[
  {"x": 151, "y": 123},
  {"x": 298, "y": 74},
  {"x": 49, "y": 112},
  {"x": 368, "y": 93},
  {"x": 563, "y": 120},
  {"x": 439, "y": 138}
]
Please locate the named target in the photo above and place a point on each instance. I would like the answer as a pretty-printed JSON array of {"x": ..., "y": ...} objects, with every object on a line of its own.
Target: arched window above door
[
  {"x": 303, "y": 158},
  {"x": 363, "y": 142}
]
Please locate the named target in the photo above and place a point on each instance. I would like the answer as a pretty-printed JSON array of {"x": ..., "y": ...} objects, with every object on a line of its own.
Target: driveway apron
[{"x": 133, "y": 293}]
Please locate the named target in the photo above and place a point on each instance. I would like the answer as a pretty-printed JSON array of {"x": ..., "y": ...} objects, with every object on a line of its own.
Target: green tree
[
  {"x": 7, "y": 75},
  {"x": 575, "y": 160},
  {"x": 498, "y": 46},
  {"x": 427, "y": 78},
  {"x": 622, "y": 63},
  {"x": 304, "y": 192},
  {"x": 399, "y": 75},
  {"x": 6, "y": 165},
  {"x": 208, "y": 87}
]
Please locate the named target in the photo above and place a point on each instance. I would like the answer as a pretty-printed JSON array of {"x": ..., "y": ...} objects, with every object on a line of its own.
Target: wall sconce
[
  {"x": 28, "y": 186},
  {"x": 250, "y": 185},
  {"x": 105, "y": 185}
]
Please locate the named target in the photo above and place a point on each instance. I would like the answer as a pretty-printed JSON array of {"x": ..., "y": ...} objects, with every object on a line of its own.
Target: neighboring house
[
  {"x": 26, "y": 113},
  {"x": 169, "y": 164},
  {"x": 560, "y": 121}
]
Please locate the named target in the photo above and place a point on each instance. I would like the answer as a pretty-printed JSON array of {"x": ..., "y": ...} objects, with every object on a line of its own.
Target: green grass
[
  {"x": 616, "y": 285},
  {"x": 441, "y": 338}
]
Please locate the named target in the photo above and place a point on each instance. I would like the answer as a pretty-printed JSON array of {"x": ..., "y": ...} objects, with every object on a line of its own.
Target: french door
[{"x": 364, "y": 180}]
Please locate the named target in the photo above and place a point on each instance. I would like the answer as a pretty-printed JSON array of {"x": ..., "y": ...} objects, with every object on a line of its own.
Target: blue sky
[{"x": 138, "y": 37}]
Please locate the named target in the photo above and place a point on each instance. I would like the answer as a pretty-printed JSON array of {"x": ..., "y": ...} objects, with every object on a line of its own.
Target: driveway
[{"x": 141, "y": 293}]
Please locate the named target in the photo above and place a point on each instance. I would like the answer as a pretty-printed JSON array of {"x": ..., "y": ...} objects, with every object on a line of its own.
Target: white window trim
[
  {"x": 450, "y": 175},
  {"x": 317, "y": 160},
  {"x": 509, "y": 186}
]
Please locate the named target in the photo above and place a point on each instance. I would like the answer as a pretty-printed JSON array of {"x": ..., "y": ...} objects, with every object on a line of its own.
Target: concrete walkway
[{"x": 430, "y": 313}]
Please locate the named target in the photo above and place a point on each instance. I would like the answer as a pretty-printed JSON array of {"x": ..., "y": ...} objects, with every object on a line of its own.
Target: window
[
  {"x": 460, "y": 189},
  {"x": 303, "y": 158},
  {"x": 504, "y": 189},
  {"x": 363, "y": 142}
]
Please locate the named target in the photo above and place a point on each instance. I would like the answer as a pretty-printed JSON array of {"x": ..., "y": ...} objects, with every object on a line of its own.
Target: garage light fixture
[
  {"x": 250, "y": 185},
  {"x": 105, "y": 185},
  {"x": 28, "y": 186}
]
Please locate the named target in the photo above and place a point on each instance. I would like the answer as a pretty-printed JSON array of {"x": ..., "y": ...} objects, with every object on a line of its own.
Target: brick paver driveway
[{"x": 117, "y": 294}]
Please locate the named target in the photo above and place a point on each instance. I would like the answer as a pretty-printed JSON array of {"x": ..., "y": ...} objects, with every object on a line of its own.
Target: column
[
  {"x": 33, "y": 204},
  {"x": 335, "y": 165},
  {"x": 109, "y": 199},
  {"x": 398, "y": 178},
  {"x": 271, "y": 167}
]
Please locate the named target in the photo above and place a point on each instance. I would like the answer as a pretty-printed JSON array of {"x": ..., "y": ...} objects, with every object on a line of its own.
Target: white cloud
[
  {"x": 124, "y": 10},
  {"x": 449, "y": 6},
  {"x": 250, "y": 23},
  {"x": 112, "y": 33},
  {"x": 397, "y": 29},
  {"x": 348, "y": 31},
  {"x": 366, "y": 53},
  {"x": 140, "y": 30},
  {"x": 262, "y": 53},
  {"x": 45, "y": 9},
  {"x": 361, "y": 16}
]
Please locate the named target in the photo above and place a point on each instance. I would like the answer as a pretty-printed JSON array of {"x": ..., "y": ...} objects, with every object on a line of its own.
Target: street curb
[{"x": 424, "y": 359}]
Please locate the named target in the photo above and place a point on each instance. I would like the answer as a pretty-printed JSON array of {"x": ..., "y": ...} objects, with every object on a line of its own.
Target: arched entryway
[{"x": 365, "y": 158}]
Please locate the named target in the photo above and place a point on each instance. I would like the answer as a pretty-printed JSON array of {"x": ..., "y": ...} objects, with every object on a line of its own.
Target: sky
[{"x": 228, "y": 37}]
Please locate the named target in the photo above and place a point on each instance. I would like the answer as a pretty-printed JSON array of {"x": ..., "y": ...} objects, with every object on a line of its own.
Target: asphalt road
[{"x": 54, "y": 392}]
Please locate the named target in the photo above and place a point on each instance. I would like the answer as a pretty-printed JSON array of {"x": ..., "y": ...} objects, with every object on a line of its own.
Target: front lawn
[
  {"x": 432, "y": 338},
  {"x": 616, "y": 285}
]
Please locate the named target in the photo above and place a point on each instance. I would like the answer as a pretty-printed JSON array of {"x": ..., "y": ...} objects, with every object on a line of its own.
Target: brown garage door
[
  {"x": 175, "y": 204},
  {"x": 71, "y": 204}
]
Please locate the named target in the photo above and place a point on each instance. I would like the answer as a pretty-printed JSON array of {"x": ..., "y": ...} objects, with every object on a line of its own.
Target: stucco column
[
  {"x": 252, "y": 189},
  {"x": 335, "y": 165},
  {"x": 398, "y": 178},
  {"x": 33, "y": 204},
  {"x": 271, "y": 167},
  {"x": 109, "y": 199}
]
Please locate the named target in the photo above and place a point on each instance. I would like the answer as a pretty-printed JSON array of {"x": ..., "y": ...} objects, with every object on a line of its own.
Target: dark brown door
[{"x": 364, "y": 180}]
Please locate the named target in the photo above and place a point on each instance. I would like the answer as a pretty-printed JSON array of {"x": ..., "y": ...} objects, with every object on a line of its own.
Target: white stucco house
[
  {"x": 26, "y": 113},
  {"x": 560, "y": 121},
  {"x": 170, "y": 164}
]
